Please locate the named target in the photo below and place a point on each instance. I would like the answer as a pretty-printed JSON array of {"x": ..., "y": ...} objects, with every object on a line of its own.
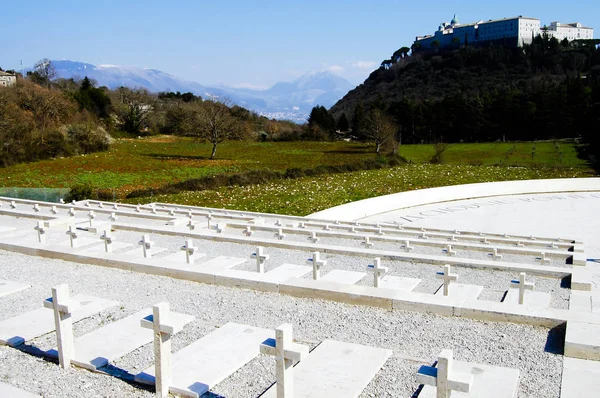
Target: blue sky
[{"x": 246, "y": 43}]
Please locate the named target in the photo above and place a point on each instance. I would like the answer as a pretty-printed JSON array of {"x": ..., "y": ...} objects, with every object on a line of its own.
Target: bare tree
[
  {"x": 380, "y": 128},
  {"x": 45, "y": 71},
  {"x": 214, "y": 122},
  {"x": 134, "y": 108}
]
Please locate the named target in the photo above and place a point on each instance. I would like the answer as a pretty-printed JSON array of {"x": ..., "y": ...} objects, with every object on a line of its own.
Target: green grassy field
[
  {"x": 310, "y": 194},
  {"x": 155, "y": 161}
]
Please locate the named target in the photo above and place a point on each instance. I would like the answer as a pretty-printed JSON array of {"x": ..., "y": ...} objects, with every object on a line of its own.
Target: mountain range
[{"x": 284, "y": 100}]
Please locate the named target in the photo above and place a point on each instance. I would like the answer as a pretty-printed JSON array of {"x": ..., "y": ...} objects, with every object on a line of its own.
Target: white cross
[
  {"x": 146, "y": 244},
  {"x": 171, "y": 212},
  {"x": 278, "y": 223},
  {"x": 36, "y": 207},
  {"x": 377, "y": 270},
  {"x": 366, "y": 243},
  {"x": 137, "y": 209},
  {"x": 531, "y": 237},
  {"x": 519, "y": 244},
  {"x": 352, "y": 230},
  {"x": 72, "y": 232},
  {"x": 91, "y": 216},
  {"x": 62, "y": 306},
  {"x": 456, "y": 232},
  {"x": 41, "y": 231},
  {"x": 152, "y": 209},
  {"x": 112, "y": 217},
  {"x": 107, "y": 238},
  {"x": 220, "y": 227},
  {"x": 380, "y": 231},
  {"x": 260, "y": 259},
  {"x": 313, "y": 237},
  {"x": 337, "y": 222},
  {"x": 522, "y": 285},
  {"x": 443, "y": 377},
  {"x": 542, "y": 259},
  {"x": 248, "y": 231},
  {"x": 208, "y": 219},
  {"x": 279, "y": 234},
  {"x": 301, "y": 225},
  {"x": 423, "y": 236},
  {"x": 13, "y": 205},
  {"x": 316, "y": 263},
  {"x": 189, "y": 250},
  {"x": 286, "y": 353},
  {"x": 326, "y": 228},
  {"x": 453, "y": 238},
  {"x": 53, "y": 210},
  {"x": 115, "y": 207},
  {"x": 485, "y": 241},
  {"x": 190, "y": 215},
  {"x": 447, "y": 277},
  {"x": 87, "y": 204},
  {"x": 71, "y": 212},
  {"x": 164, "y": 328},
  {"x": 495, "y": 254},
  {"x": 400, "y": 227},
  {"x": 61, "y": 200},
  {"x": 191, "y": 225},
  {"x": 448, "y": 250},
  {"x": 100, "y": 205},
  {"x": 407, "y": 246}
]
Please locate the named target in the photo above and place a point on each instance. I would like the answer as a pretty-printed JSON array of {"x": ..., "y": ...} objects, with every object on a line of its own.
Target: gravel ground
[{"x": 415, "y": 338}]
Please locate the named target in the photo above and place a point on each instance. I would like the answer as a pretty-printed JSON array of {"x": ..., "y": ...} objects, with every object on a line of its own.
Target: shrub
[
  {"x": 87, "y": 138},
  {"x": 79, "y": 192}
]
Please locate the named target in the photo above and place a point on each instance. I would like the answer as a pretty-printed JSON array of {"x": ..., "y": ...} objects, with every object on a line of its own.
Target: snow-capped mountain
[{"x": 285, "y": 100}]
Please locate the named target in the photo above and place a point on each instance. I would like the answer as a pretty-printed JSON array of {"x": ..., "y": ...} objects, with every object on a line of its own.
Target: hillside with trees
[
  {"x": 43, "y": 117},
  {"x": 546, "y": 90}
]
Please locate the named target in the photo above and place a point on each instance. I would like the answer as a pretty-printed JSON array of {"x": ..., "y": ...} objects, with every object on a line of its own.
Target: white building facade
[
  {"x": 514, "y": 32},
  {"x": 7, "y": 79}
]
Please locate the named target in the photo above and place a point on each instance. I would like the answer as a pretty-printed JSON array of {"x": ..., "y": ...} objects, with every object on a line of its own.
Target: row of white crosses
[{"x": 159, "y": 322}]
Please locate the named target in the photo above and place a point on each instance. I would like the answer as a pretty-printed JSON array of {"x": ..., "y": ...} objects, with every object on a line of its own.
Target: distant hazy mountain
[{"x": 285, "y": 100}]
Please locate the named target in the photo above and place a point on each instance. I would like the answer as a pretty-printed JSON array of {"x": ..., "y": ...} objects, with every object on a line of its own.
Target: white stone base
[
  {"x": 488, "y": 381},
  {"x": 8, "y": 391},
  {"x": 335, "y": 369},
  {"x": 9, "y": 287},
  {"x": 342, "y": 276},
  {"x": 461, "y": 291},
  {"x": 398, "y": 283},
  {"x": 582, "y": 341},
  {"x": 532, "y": 299},
  {"x": 580, "y": 378}
]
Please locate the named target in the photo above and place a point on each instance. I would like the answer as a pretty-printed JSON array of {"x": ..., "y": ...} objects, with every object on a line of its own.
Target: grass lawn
[
  {"x": 310, "y": 194},
  {"x": 133, "y": 164}
]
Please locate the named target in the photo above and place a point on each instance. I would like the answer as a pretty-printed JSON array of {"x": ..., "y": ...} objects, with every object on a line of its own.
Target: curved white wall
[{"x": 403, "y": 200}]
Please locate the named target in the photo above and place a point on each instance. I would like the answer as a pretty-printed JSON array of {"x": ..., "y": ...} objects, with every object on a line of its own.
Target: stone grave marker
[
  {"x": 443, "y": 377},
  {"x": 523, "y": 285},
  {"x": 164, "y": 327},
  {"x": 377, "y": 271},
  {"x": 316, "y": 263},
  {"x": 286, "y": 353},
  {"x": 447, "y": 277},
  {"x": 260, "y": 258},
  {"x": 41, "y": 232},
  {"x": 62, "y": 307}
]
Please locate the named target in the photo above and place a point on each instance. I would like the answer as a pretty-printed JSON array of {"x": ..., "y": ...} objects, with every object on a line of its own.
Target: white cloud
[
  {"x": 364, "y": 65},
  {"x": 334, "y": 69}
]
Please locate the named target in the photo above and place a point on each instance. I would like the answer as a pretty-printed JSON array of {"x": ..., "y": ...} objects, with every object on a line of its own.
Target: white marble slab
[
  {"x": 180, "y": 258},
  {"x": 335, "y": 370},
  {"x": 582, "y": 340},
  {"x": 8, "y": 391},
  {"x": 80, "y": 242},
  {"x": 206, "y": 362},
  {"x": 101, "y": 250},
  {"x": 15, "y": 331},
  {"x": 224, "y": 262},
  {"x": 102, "y": 346},
  {"x": 398, "y": 283},
  {"x": 139, "y": 252},
  {"x": 580, "y": 378},
  {"x": 10, "y": 287},
  {"x": 488, "y": 381},
  {"x": 461, "y": 291},
  {"x": 6, "y": 229},
  {"x": 343, "y": 276},
  {"x": 531, "y": 299},
  {"x": 286, "y": 271}
]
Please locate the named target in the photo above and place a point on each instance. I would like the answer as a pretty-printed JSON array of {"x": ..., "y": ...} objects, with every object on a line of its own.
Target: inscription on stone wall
[{"x": 504, "y": 201}]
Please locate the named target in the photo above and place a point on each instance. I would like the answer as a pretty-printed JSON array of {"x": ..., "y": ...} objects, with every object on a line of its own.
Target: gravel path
[{"x": 415, "y": 338}]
